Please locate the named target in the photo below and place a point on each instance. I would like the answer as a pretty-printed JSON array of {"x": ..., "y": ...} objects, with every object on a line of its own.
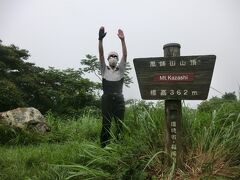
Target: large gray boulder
[{"x": 25, "y": 118}]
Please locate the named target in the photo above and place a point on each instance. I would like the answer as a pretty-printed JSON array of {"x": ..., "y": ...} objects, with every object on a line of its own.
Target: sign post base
[{"x": 173, "y": 116}]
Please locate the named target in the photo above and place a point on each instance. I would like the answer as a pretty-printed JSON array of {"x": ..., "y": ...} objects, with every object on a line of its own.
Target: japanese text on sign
[
  {"x": 172, "y": 92},
  {"x": 172, "y": 63},
  {"x": 173, "y": 135}
]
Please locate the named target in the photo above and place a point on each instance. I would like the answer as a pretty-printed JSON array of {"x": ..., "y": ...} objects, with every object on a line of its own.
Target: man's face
[{"x": 113, "y": 60}]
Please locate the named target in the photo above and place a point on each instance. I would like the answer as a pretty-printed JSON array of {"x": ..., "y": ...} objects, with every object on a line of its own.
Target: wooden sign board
[{"x": 176, "y": 78}]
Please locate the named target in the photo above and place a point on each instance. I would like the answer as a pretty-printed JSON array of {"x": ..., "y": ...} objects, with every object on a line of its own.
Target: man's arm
[
  {"x": 124, "y": 47},
  {"x": 101, "y": 34},
  {"x": 101, "y": 53}
]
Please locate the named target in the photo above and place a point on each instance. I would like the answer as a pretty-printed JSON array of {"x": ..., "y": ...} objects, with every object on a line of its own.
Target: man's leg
[
  {"x": 118, "y": 112},
  {"x": 106, "y": 120}
]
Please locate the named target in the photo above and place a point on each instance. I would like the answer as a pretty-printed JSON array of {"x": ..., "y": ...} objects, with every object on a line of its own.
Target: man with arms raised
[{"x": 113, "y": 105}]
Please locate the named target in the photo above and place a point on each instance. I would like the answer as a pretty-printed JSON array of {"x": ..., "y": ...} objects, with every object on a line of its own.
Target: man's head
[{"x": 112, "y": 59}]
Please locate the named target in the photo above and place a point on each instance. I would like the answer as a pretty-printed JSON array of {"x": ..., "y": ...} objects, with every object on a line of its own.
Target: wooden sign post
[
  {"x": 174, "y": 78},
  {"x": 173, "y": 114}
]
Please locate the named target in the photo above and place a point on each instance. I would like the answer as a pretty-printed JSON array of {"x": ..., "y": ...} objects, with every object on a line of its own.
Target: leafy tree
[
  {"x": 216, "y": 102},
  {"x": 229, "y": 96},
  {"x": 91, "y": 65},
  {"x": 24, "y": 84},
  {"x": 10, "y": 96},
  {"x": 12, "y": 65},
  {"x": 66, "y": 90}
]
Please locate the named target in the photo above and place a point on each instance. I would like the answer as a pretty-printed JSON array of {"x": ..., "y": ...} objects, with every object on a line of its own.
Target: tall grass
[
  {"x": 72, "y": 149},
  {"x": 212, "y": 143}
]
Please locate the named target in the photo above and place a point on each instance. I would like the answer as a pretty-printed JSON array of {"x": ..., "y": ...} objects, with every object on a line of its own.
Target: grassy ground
[{"x": 211, "y": 143}]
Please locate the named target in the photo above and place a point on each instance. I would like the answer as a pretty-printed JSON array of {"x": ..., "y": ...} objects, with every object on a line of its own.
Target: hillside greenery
[
  {"x": 72, "y": 150},
  {"x": 24, "y": 84}
]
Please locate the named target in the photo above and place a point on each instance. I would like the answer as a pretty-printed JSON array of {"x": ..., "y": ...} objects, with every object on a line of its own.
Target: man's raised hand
[
  {"x": 101, "y": 33},
  {"x": 121, "y": 34}
]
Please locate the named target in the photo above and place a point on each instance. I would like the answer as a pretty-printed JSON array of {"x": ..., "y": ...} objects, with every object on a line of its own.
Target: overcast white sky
[{"x": 59, "y": 33}]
